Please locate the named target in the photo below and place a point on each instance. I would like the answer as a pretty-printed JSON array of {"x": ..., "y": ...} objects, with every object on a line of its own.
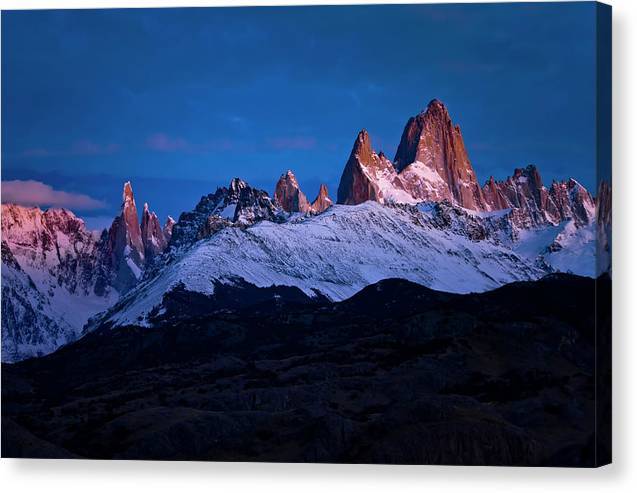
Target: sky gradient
[{"x": 179, "y": 101}]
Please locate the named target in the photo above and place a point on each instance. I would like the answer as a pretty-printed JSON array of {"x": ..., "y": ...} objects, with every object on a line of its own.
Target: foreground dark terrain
[{"x": 396, "y": 374}]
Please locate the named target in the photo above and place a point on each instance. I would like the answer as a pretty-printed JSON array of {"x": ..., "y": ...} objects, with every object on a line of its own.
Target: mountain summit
[
  {"x": 433, "y": 146},
  {"x": 422, "y": 217},
  {"x": 289, "y": 195},
  {"x": 431, "y": 164}
]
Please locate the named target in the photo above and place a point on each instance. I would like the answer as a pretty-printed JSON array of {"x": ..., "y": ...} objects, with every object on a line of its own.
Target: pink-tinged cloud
[
  {"x": 78, "y": 148},
  {"x": 90, "y": 148},
  {"x": 36, "y": 193},
  {"x": 163, "y": 143},
  {"x": 85, "y": 147},
  {"x": 291, "y": 143}
]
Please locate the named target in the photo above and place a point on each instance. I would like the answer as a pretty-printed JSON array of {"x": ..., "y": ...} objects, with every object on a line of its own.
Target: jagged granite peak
[
  {"x": 168, "y": 228},
  {"x": 238, "y": 205},
  {"x": 437, "y": 244},
  {"x": 494, "y": 196},
  {"x": 367, "y": 175},
  {"x": 152, "y": 235},
  {"x": 288, "y": 194},
  {"x": 50, "y": 263},
  {"x": 434, "y": 146},
  {"x": 55, "y": 241},
  {"x": 536, "y": 205},
  {"x": 126, "y": 252},
  {"x": 322, "y": 202}
]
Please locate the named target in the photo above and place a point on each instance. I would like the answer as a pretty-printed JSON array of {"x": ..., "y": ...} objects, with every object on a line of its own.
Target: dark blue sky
[{"x": 181, "y": 100}]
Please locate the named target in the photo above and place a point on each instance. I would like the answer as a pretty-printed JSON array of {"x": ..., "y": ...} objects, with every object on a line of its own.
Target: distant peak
[
  {"x": 435, "y": 106},
  {"x": 127, "y": 194},
  {"x": 289, "y": 176},
  {"x": 237, "y": 184},
  {"x": 363, "y": 141}
]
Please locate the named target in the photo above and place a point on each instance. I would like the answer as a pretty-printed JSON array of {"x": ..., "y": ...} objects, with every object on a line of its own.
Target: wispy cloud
[
  {"x": 36, "y": 193},
  {"x": 84, "y": 147},
  {"x": 88, "y": 147},
  {"x": 284, "y": 143},
  {"x": 162, "y": 142}
]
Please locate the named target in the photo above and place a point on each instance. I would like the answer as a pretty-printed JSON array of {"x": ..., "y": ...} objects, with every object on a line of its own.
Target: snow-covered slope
[
  {"x": 338, "y": 253},
  {"x": 52, "y": 280},
  {"x": 28, "y": 325}
]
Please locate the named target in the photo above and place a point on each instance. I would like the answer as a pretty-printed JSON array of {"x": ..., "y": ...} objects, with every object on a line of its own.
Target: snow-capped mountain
[
  {"x": 53, "y": 279},
  {"x": 339, "y": 252},
  {"x": 422, "y": 217},
  {"x": 29, "y": 326},
  {"x": 239, "y": 204},
  {"x": 56, "y": 273},
  {"x": 432, "y": 164}
]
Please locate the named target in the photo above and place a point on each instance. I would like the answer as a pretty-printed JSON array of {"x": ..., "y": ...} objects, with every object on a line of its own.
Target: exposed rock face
[
  {"x": 289, "y": 196},
  {"x": 54, "y": 241},
  {"x": 431, "y": 164},
  {"x": 535, "y": 204},
  {"x": 50, "y": 262},
  {"x": 493, "y": 195},
  {"x": 431, "y": 138},
  {"x": 252, "y": 204},
  {"x": 238, "y": 205},
  {"x": 152, "y": 235},
  {"x": 168, "y": 229},
  {"x": 56, "y": 274},
  {"x": 126, "y": 252},
  {"x": 367, "y": 175},
  {"x": 322, "y": 202},
  {"x": 27, "y": 330}
]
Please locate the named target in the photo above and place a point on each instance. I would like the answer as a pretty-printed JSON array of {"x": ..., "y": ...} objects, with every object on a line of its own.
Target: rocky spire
[
  {"x": 493, "y": 195},
  {"x": 125, "y": 245},
  {"x": 168, "y": 228},
  {"x": 131, "y": 219},
  {"x": 152, "y": 234},
  {"x": 322, "y": 201},
  {"x": 359, "y": 179},
  {"x": 431, "y": 138},
  {"x": 288, "y": 194},
  {"x": 537, "y": 205}
]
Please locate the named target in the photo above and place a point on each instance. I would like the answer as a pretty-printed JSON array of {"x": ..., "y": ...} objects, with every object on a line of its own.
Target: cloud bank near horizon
[{"x": 37, "y": 193}]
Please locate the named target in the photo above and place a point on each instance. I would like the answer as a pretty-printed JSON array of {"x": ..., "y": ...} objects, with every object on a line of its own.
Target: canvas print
[{"x": 344, "y": 234}]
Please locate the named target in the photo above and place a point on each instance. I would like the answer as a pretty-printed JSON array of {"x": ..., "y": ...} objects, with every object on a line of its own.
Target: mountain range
[{"x": 423, "y": 217}]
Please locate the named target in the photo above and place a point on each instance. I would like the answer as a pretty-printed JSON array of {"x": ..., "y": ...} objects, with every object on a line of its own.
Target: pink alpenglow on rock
[
  {"x": 322, "y": 202},
  {"x": 125, "y": 245},
  {"x": 289, "y": 196}
]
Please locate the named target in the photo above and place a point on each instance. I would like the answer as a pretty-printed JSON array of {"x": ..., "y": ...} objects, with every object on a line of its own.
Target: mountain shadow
[{"x": 398, "y": 373}]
